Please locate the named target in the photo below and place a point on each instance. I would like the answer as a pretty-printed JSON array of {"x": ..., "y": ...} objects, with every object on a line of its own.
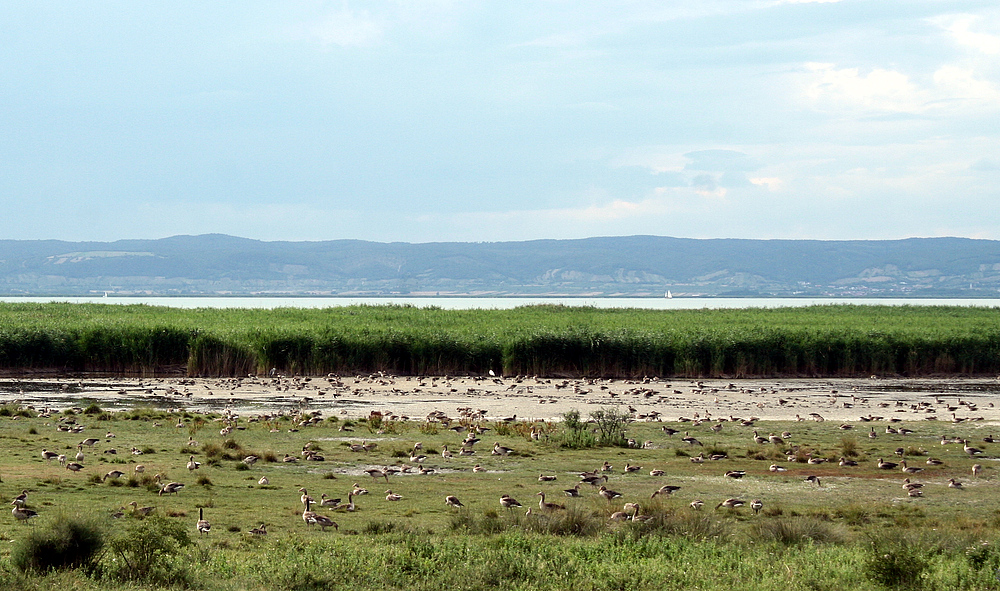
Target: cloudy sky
[{"x": 452, "y": 120}]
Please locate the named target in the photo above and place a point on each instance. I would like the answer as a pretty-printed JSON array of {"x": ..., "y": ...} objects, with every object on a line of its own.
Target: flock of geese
[{"x": 597, "y": 479}]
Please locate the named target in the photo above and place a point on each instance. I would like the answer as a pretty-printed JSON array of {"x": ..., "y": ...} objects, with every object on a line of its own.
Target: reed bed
[{"x": 838, "y": 340}]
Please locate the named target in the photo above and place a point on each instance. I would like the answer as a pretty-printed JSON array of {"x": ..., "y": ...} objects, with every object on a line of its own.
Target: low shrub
[{"x": 67, "y": 543}]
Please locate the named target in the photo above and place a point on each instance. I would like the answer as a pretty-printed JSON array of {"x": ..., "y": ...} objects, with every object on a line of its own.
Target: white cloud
[
  {"x": 772, "y": 183},
  {"x": 959, "y": 28},
  {"x": 880, "y": 89}
]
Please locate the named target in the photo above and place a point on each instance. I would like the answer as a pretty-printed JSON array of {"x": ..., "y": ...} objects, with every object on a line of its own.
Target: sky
[{"x": 451, "y": 120}]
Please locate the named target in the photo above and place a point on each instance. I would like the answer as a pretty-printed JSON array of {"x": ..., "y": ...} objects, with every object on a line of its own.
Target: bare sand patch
[{"x": 840, "y": 399}]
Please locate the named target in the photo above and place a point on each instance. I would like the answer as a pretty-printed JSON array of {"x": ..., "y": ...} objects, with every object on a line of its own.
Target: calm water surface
[{"x": 468, "y": 303}]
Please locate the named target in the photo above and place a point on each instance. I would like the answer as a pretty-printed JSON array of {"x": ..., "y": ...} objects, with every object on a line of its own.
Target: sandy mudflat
[{"x": 842, "y": 400}]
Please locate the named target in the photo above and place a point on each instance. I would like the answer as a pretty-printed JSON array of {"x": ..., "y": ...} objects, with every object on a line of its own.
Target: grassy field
[
  {"x": 856, "y": 528},
  {"x": 534, "y": 340}
]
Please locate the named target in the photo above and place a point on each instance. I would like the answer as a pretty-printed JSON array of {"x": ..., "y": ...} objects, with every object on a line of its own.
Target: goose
[
  {"x": 666, "y": 489},
  {"x": 756, "y": 505},
  {"x": 907, "y": 485},
  {"x": 202, "y": 526},
  {"x": 478, "y": 468},
  {"x": 452, "y": 501},
  {"x": 288, "y": 459},
  {"x": 499, "y": 450},
  {"x": 545, "y": 478},
  {"x": 89, "y": 442},
  {"x": 113, "y": 474},
  {"x": 619, "y": 516},
  {"x": 423, "y": 470},
  {"x": 311, "y": 517},
  {"x": 62, "y": 460},
  {"x": 171, "y": 488},
  {"x": 305, "y": 498},
  {"x": 814, "y": 479},
  {"x": 971, "y": 450},
  {"x": 49, "y": 455},
  {"x": 952, "y": 483},
  {"x": 418, "y": 458},
  {"x": 910, "y": 469},
  {"x": 696, "y": 504},
  {"x": 508, "y": 502},
  {"x": 915, "y": 492},
  {"x": 259, "y": 531},
  {"x": 22, "y": 513},
  {"x": 872, "y": 434},
  {"x": 731, "y": 504},
  {"x": 326, "y": 501},
  {"x": 20, "y": 499},
  {"x": 193, "y": 465},
  {"x": 444, "y": 452},
  {"x": 637, "y": 517},
  {"x": 377, "y": 473},
  {"x": 358, "y": 491},
  {"x": 815, "y": 461},
  {"x": 141, "y": 511},
  {"x": 138, "y": 468},
  {"x": 934, "y": 462},
  {"x": 74, "y": 466},
  {"x": 573, "y": 492},
  {"x": 79, "y": 453},
  {"x": 656, "y": 473},
  {"x": 391, "y": 496},
  {"x": 691, "y": 440},
  {"x": 775, "y": 439},
  {"x": 758, "y": 439},
  {"x": 609, "y": 494},
  {"x": 737, "y": 474},
  {"x": 698, "y": 459},
  {"x": 250, "y": 460},
  {"x": 546, "y": 506},
  {"x": 883, "y": 465},
  {"x": 846, "y": 462},
  {"x": 630, "y": 468},
  {"x": 777, "y": 468},
  {"x": 976, "y": 470},
  {"x": 594, "y": 480},
  {"x": 263, "y": 481},
  {"x": 348, "y": 506}
]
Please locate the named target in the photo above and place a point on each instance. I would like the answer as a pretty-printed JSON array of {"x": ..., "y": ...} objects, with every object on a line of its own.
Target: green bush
[
  {"x": 67, "y": 543},
  {"x": 146, "y": 550}
]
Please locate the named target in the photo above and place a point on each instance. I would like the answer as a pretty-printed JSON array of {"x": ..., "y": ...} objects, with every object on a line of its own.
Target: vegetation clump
[{"x": 67, "y": 543}]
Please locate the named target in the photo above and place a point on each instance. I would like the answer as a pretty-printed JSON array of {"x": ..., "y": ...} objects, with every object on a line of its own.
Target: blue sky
[{"x": 441, "y": 120}]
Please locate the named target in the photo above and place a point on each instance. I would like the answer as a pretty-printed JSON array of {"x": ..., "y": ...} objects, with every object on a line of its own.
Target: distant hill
[{"x": 615, "y": 266}]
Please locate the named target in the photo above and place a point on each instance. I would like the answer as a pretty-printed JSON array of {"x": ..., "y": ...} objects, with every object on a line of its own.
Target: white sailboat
[{"x": 669, "y": 295}]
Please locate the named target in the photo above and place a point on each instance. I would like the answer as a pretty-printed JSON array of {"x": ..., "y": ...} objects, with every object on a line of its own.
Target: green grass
[
  {"x": 838, "y": 340},
  {"x": 859, "y": 529}
]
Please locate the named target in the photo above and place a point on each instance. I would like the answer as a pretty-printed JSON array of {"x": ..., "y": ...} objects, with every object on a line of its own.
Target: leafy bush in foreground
[{"x": 67, "y": 543}]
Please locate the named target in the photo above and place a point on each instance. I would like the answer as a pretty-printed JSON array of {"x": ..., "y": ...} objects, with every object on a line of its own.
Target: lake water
[{"x": 469, "y": 303}]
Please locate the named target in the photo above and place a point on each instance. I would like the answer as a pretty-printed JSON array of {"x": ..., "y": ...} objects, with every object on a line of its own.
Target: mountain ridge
[{"x": 638, "y": 266}]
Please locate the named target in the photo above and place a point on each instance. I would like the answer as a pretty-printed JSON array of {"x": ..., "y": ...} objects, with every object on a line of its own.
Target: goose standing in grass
[
  {"x": 813, "y": 479},
  {"x": 731, "y": 504},
  {"x": 666, "y": 489},
  {"x": 696, "y": 504},
  {"x": 313, "y": 518},
  {"x": 972, "y": 451},
  {"x": 202, "y": 526},
  {"x": 452, "y": 501},
  {"x": 49, "y": 455},
  {"x": 377, "y": 473},
  {"x": 756, "y": 505},
  {"x": 193, "y": 465},
  {"x": 74, "y": 466},
  {"x": 113, "y": 474},
  {"x": 977, "y": 469},
  {"x": 79, "y": 453},
  {"x": 89, "y": 442},
  {"x": 508, "y": 502},
  {"x": 326, "y": 501},
  {"x": 547, "y": 506},
  {"x": 22, "y": 513},
  {"x": 171, "y": 488},
  {"x": 573, "y": 492}
]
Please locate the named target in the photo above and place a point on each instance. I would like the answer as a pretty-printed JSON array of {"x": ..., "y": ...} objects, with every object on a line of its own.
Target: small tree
[{"x": 610, "y": 427}]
